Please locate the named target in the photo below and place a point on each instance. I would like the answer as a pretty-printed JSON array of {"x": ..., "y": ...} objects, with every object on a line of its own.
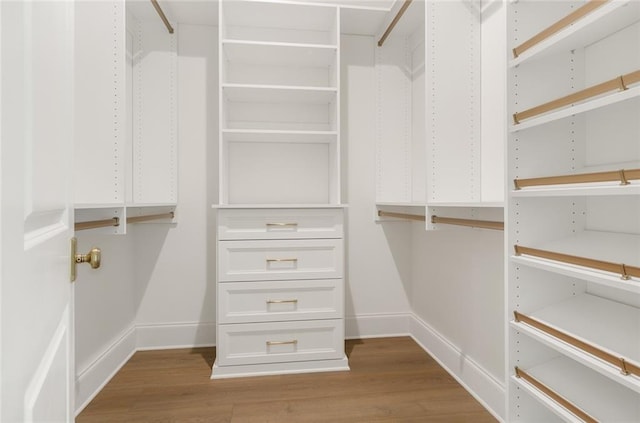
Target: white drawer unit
[
  {"x": 277, "y": 342},
  {"x": 242, "y": 302},
  {"x": 238, "y": 224},
  {"x": 280, "y": 291},
  {"x": 268, "y": 260}
]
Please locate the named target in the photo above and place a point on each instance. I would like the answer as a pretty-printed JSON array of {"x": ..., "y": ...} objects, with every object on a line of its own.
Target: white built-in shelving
[
  {"x": 436, "y": 155},
  {"x": 280, "y": 282},
  {"x": 279, "y": 98},
  {"x": 126, "y": 107},
  {"x": 574, "y": 223}
]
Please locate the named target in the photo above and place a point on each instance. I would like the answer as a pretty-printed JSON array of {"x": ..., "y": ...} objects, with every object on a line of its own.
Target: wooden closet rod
[
  {"x": 484, "y": 224},
  {"x": 148, "y": 217},
  {"x": 619, "y": 83},
  {"x": 401, "y": 215},
  {"x": 569, "y": 406},
  {"x": 93, "y": 224},
  {"x": 559, "y": 25},
  {"x": 626, "y": 367},
  {"x": 394, "y": 22},
  {"x": 162, "y": 16},
  {"x": 622, "y": 175},
  {"x": 623, "y": 270}
]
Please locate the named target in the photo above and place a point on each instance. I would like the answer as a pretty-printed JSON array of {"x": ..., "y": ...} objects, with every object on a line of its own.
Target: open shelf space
[
  {"x": 591, "y": 28},
  {"x": 266, "y": 136},
  {"x": 279, "y": 54},
  {"x": 596, "y": 103},
  {"x": 247, "y": 93},
  {"x": 607, "y": 325},
  {"x": 594, "y": 394},
  {"x": 279, "y": 22},
  {"x": 279, "y": 64}
]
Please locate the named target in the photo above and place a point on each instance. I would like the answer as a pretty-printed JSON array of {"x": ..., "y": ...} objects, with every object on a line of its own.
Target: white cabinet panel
[
  {"x": 280, "y": 260},
  {"x": 243, "y": 302},
  {"x": 279, "y": 224},
  {"x": 259, "y": 343}
]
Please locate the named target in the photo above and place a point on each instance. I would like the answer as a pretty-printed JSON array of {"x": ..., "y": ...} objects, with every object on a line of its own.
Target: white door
[{"x": 36, "y": 332}]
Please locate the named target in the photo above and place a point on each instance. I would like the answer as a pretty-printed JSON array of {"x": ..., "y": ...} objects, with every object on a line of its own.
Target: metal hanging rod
[
  {"x": 619, "y": 83},
  {"x": 521, "y": 374},
  {"x": 622, "y": 175},
  {"x": 162, "y": 16},
  {"x": 625, "y": 366},
  {"x": 623, "y": 270},
  {"x": 473, "y": 223},
  {"x": 577, "y": 14},
  {"x": 148, "y": 217},
  {"x": 401, "y": 215},
  {"x": 394, "y": 22},
  {"x": 93, "y": 224}
]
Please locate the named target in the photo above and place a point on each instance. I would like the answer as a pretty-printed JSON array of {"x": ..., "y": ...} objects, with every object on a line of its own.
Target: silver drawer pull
[
  {"x": 283, "y": 224},
  {"x": 293, "y": 301},
  {"x": 282, "y": 260},
  {"x": 272, "y": 343}
]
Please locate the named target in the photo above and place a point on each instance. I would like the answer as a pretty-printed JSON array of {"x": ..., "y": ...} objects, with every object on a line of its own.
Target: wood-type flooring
[{"x": 391, "y": 380}]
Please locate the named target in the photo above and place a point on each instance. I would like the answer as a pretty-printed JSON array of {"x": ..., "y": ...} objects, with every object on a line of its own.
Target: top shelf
[
  {"x": 279, "y": 22},
  {"x": 604, "y": 20}
]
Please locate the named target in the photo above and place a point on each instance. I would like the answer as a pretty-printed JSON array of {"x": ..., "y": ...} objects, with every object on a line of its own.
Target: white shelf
[
  {"x": 598, "y": 396},
  {"x": 479, "y": 204},
  {"x": 587, "y": 106},
  {"x": 603, "y": 21},
  {"x": 279, "y": 54},
  {"x": 398, "y": 204},
  {"x": 569, "y": 190},
  {"x": 604, "y": 322},
  {"x": 607, "y": 246},
  {"x": 271, "y": 136},
  {"x": 279, "y": 206},
  {"x": 361, "y": 20},
  {"x": 247, "y": 93}
]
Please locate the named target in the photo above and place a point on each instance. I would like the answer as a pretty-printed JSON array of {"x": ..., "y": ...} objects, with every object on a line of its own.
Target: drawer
[
  {"x": 243, "y": 302},
  {"x": 260, "y": 343},
  {"x": 280, "y": 260},
  {"x": 279, "y": 223}
]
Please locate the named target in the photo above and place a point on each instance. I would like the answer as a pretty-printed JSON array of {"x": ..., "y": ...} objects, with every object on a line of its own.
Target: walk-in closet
[{"x": 320, "y": 210}]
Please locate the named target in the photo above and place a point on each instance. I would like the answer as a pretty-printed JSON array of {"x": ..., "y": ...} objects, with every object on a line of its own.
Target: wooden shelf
[
  {"x": 603, "y": 21},
  {"x": 598, "y": 396},
  {"x": 270, "y": 136},
  {"x": 279, "y": 54},
  {"x": 246, "y": 93}
]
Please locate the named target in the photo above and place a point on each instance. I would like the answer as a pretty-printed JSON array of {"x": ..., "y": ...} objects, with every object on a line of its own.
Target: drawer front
[
  {"x": 280, "y": 260},
  {"x": 244, "y": 302},
  {"x": 260, "y": 343},
  {"x": 279, "y": 223}
]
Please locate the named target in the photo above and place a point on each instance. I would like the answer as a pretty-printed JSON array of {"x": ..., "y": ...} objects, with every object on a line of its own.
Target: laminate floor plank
[{"x": 391, "y": 380}]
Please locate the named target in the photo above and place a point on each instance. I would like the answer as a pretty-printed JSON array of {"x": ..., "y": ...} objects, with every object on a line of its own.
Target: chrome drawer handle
[
  {"x": 272, "y": 343},
  {"x": 282, "y": 224},
  {"x": 293, "y": 301},
  {"x": 282, "y": 260}
]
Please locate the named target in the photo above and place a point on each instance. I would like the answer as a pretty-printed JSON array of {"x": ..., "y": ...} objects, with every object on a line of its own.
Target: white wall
[
  {"x": 104, "y": 312},
  {"x": 175, "y": 274},
  {"x": 378, "y": 259}
]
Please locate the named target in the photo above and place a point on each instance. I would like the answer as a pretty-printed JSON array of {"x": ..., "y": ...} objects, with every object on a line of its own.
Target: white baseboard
[
  {"x": 175, "y": 335},
  {"x": 489, "y": 391},
  {"x": 90, "y": 381},
  {"x": 377, "y": 325}
]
